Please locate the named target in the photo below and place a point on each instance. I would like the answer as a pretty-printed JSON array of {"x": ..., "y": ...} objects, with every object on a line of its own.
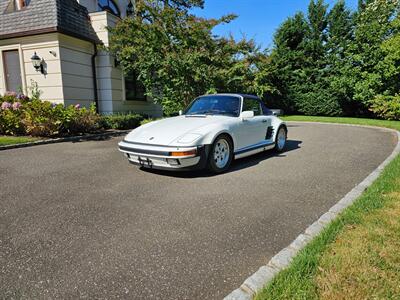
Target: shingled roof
[{"x": 43, "y": 16}]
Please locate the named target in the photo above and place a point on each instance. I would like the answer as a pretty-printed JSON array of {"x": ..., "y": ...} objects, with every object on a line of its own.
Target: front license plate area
[{"x": 145, "y": 162}]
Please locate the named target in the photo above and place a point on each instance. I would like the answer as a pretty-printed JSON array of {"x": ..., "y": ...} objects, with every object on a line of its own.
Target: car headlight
[{"x": 189, "y": 138}]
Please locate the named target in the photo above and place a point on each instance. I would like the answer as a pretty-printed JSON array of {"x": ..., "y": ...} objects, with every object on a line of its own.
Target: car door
[{"x": 252, "y": 131}]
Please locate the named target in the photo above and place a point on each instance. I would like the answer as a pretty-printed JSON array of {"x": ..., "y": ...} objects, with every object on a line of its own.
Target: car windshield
[{"x": 215, "y": 105}]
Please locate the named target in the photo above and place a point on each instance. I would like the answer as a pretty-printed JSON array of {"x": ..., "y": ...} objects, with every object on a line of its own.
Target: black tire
[
  {"x": 278, "y": 147},
  {"x": 212, "y": 164}
]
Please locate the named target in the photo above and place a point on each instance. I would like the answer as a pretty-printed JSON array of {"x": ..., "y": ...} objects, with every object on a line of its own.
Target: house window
[
  {"x": 14, "y": 5},
  {"x": 12, "y": 70},
  {"x": 110, "y": 6},
  {"x": 134, "y": 89}
]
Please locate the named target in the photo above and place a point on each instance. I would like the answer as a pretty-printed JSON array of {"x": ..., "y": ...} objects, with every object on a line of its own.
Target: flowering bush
[{"x": 20, "y": 115}]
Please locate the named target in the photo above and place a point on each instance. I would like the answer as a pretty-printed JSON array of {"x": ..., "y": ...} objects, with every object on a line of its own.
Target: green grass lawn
[
  {"x": 357, "y": 256},
  {"x": 357, "y": 121},
  {"x": 12, "y": 140}
]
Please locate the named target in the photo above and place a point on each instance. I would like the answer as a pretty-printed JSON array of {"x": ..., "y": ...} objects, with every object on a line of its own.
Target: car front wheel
[
  {"x": 221, "y": 154},
  {"x": 281, "y": 137}
]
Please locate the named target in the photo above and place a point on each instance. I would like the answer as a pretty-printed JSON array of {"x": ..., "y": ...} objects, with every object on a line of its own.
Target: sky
[{"x": 257, "y": 19}]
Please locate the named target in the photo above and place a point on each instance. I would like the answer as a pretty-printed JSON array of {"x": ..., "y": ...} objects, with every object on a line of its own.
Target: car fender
[
  {"x": 276, "y": 123},
  {"x": 209, "y": 133}
]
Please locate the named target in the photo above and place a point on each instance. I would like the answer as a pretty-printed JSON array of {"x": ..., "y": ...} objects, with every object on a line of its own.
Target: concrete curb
[
  {"x": 255, "y": 283},
  {"x": 66, "y": 139}
]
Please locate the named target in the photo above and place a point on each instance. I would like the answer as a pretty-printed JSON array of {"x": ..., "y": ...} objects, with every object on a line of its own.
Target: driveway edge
[
  {"x": 256, "y": 282},
  {"x": 66, "y": 139}
]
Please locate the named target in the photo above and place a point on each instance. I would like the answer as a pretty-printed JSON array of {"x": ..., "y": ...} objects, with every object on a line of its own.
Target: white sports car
[{"x": 211, "y": 132}]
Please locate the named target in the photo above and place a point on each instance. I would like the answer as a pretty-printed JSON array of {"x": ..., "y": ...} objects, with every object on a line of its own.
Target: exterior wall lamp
[{"x": 37, "y": 63}]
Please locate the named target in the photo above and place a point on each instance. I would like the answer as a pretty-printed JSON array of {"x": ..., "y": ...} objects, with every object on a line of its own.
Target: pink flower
[
  {"x": 16, "y": 105},
  {"x": 5, "y": 105},
  {"x": 22, "y": 97},
  {"x": 78, "y": 106}
]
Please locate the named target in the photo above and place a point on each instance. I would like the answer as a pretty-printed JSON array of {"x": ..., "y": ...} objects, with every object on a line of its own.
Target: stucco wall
[
  {"x": 50, "y": 83},
  {"x": 68, "y": 74},
  {"x": 76, "y": 68}
]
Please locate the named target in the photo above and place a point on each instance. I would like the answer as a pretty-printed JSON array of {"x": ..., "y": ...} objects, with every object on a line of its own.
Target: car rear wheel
[
  {"x": 221, "y": 154},
  {"x": 281, "y": 137}
]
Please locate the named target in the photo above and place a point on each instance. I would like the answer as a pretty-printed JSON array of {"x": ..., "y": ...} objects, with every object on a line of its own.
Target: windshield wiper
[
  {"x": 210, "y": 112},
  {"x": 218, "y": 112},
  {"x": 201, "y": 112}
]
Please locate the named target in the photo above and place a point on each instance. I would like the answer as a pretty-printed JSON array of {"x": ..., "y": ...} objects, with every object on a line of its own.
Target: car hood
[{"x": 173, "y": 131}]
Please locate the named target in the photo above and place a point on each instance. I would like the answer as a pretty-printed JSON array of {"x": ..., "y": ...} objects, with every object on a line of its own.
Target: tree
[
  {"x": 336, "y": 62},
  {"x": 176, "y": 55},
  {"x": 313, "y": 96},
  {"x": 287, "y": 62},
  {"x": 340, "y": 36},
  {"x": 387, "y": 104},
  {"x": 184, "y": 4}
]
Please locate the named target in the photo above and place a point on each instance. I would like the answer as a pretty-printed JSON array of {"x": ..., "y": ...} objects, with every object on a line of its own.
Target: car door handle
[{"x": 264, "y": 121}]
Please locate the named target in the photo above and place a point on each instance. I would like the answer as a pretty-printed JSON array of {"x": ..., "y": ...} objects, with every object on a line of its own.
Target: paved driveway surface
[{"x": 76, "y": 220}]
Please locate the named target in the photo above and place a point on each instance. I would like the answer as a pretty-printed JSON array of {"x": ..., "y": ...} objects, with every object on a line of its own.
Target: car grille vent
[{"x": 270, "y": 132}]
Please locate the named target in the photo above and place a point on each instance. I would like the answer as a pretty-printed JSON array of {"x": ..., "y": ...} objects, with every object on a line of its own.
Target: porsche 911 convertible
[{"x": 210, "y": 133}]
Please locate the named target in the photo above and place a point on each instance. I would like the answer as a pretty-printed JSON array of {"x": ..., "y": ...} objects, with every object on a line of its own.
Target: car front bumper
[{"x": 159, "y": 157}]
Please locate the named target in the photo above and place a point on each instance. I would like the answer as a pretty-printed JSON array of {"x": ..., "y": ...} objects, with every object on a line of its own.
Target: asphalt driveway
[{"x": 76, "y": 220}]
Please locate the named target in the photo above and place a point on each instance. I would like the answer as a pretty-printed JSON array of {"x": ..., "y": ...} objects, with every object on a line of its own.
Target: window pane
[
  {"x": 12, "y": 71},
  {"x": 252, "y": 105},
  {"x": 134, "y": 89},
  {"x": 108, "y": 5}
]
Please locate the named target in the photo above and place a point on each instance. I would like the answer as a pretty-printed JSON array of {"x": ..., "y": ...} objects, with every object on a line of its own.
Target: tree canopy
[
  {"x": 328, "y": 61},
  {"x": 177, "y": 57}
]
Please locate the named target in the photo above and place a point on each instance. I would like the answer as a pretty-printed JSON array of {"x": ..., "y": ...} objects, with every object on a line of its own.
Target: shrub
[
  {"x": 317, "y": 103},
  {"x": 121, "y": 121},
  {"x": 43, "y": 118},
  {"x": 10, "y": 120},
  {"x": 84, "y": 120},
  {"x": 20, "y": 115},
  {"x": 386, "y": 107},
  {"x": 11, "y": 113}
]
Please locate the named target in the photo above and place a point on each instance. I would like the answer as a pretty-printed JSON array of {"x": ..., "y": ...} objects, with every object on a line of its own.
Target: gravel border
[
  {"x": 85, "y": 137},
  {"x": 255, "y": 283}
]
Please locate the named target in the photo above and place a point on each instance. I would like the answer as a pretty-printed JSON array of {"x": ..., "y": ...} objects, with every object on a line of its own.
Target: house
[{"x": 54, "y": 44}]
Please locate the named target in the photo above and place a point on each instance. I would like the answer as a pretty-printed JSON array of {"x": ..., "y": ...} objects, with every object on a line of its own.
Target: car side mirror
[
  {"x": 247, "y": 114},
  {"x": 180, "y": 113}
]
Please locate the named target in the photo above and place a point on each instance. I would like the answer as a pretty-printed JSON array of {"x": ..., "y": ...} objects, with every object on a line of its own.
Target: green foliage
[
  {"x": 287, "y": 61},
  {"x": 331, "y": 61},
  {"x": 21, "y": 115},
  {"x": 386, "y": 107},
  {"x": 177, "y": 57},
  {"x": 335, "y": 62},
  {"x": 121, "y": 121},
  {"x": 11, "y": 122},
  {"x": 374, "y": 26},
  {"x": 34, "y": 90}
]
